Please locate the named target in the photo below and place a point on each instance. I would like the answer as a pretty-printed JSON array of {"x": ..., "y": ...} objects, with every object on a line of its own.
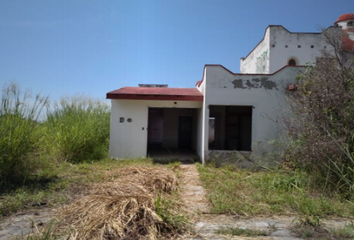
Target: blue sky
[{"x": 69, "y": 47}]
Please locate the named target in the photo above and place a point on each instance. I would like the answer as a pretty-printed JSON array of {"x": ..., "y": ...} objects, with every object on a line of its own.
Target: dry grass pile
[
  {"x": 153, "y": 179},
  {"x": 123, "y": 208}
]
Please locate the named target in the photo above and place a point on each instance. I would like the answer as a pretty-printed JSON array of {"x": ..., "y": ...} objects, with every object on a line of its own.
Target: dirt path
[
  {"x": 21, "y": 224},
  {"x": 194, "y": 195},
  {"x": 206, "y": 224}
]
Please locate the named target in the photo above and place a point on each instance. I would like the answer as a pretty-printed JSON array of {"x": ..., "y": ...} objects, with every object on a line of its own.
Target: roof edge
[
  {"x": 154, "y": 97},
  {"x": 248, "y": 74}
]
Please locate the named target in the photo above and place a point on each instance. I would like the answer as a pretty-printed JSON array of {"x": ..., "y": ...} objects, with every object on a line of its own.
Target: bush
[
  {"x": 322, "y": 128},
  {"x": 78, "y": 130},
  {"x": 19, "y": 130}
]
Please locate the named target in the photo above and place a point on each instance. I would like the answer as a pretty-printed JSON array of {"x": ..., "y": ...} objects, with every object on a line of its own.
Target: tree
[{"x": 321, "y": 127}]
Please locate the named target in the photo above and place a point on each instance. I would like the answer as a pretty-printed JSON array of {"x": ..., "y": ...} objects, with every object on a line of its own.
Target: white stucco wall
[
  {"x": 302, "y": 47},
  {"x": 129, "y": 140},
  {"x": 266, "y": 93},
  {"x": 279, "y": 46},
  {"x": 257, "y": 61},
  {"x": 199, "y": 145},
  {"x": 344, "y": 24},
  {"x": 201, "y": 88}
]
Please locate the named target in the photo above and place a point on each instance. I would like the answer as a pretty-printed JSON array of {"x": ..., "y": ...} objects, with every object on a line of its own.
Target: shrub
[
  {"x": 19, "y": 115},
  {"x": 78, "y": 130},
  {"x": 322, "y": 126}
]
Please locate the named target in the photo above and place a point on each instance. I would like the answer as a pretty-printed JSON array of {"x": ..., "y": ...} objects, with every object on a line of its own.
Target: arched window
[{"x": 292, "y": 62}]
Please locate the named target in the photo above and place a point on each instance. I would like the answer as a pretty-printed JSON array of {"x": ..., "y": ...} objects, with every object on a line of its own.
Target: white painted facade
[
  {"x": 266, "y": 93},
  {"x": 278, "y": 46},
  {"x": 129, "y": 139},
  {"x": 262, "y": 87},
  {"x": 257, "y": 61}
]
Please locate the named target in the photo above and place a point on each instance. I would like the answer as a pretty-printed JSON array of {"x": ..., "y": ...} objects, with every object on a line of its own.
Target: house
[{"x": 226, "y": 113}]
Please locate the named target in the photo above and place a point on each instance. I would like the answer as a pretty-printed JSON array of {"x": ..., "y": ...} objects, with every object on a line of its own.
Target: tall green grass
[
  {"x": 77, "y": 130},
  {"x": 19, "y": 115},
  {"x": 33, "y": 141}
]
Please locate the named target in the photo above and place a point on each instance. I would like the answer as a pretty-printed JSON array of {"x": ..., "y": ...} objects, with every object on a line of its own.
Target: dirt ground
[
  {"x": 23, "y": 223},
  {"x": 205, "y": 225}
]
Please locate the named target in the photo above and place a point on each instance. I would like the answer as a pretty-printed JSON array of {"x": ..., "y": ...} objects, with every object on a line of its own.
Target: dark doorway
[
  {"x": 238, "y": 128},
  {"x": 185, "y": 132},
  {"x": 155, "y": 127}
]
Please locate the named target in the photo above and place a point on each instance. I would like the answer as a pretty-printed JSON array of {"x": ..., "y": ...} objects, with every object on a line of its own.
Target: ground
[
  {"x": 206, "y": 225},
  {"x": 197, "y": 208}
]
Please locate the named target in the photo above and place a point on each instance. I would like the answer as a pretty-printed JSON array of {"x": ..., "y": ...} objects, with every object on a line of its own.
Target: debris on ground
[{"x": 122, "y": 208}]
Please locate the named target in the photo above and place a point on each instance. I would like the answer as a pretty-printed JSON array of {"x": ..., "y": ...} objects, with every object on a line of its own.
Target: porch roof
[{"x": 148, "y": 93}]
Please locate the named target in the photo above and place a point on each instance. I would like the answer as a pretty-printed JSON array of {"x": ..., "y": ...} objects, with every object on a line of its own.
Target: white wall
[
  {"x": 257, "y": 61},
  {"x": 201, "y": 88},
  {"x": 266, "y": 93},
  {"x": 199, "y": 145},
  {"x": 344, "y": 24},
  {"x": 279, "y": 46},
  {"x": 302, "y": 47},
  {"x": 129, "y": 140}
]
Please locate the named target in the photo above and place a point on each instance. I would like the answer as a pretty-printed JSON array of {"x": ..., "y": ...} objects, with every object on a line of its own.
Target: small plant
[
  {"x": 166, "y": 209},
  {"x": 246, "y": 232},
  {"x": 45, "y": 234},
  {"x": 308, "y": 220},
  {"x": 345, "y": 232}
]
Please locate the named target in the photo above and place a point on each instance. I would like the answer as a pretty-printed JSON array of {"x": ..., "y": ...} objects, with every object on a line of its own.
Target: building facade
[{"x": 226, "y": 113}]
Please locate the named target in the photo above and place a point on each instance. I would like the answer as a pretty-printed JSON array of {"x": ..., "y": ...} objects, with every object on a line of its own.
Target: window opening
[
  {"x": 230, "y": 128},
  {"x": 211, "y": 132},
  {"x": 292, "y": 62}
]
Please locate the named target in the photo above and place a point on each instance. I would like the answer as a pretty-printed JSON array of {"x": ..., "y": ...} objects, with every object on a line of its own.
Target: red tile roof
[
  {"x": 345, "y": 17},
  {"x": 146, "y": 93}
]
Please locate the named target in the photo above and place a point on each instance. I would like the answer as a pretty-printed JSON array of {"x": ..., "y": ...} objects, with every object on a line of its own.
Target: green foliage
[
  {"x": 308, "y": 220},
  {"x": 33, "y": 145},
  {"x": 77, "y": 130},
  {"x": 19, "y": 130},
  {"x": 321, "y": 125},
  {"x": 246, "y": 193},
  {"x": 344, "y": 232},
  {"x": 344, "y": 172},
  {"x": 167, "y": 208}
]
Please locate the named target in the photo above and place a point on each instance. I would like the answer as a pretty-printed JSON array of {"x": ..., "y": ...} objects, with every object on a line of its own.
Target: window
[
  {"x": 230, "y": 128},
  {"x": 292, "y": 62}
]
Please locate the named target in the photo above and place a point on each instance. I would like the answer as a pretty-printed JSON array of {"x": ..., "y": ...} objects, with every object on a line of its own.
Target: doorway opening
[
  {"x": 155, "y": 127},
  {"x": 172, "y": 133},
  {"x": 231, "y": 128}
]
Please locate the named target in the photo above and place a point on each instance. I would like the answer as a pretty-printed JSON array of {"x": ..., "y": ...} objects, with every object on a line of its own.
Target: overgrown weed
[
  {"x": 19, "y": 130},
  {"x": 247, "y": 193},
  {"x": 77, "y": 130}
]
